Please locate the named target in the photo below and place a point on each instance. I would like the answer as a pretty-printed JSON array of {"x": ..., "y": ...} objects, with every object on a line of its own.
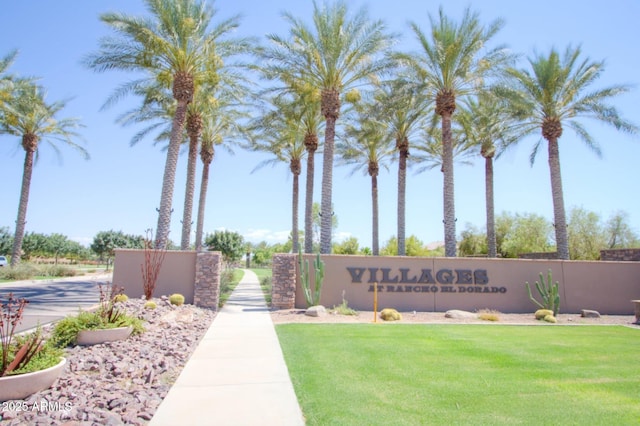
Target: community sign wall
[{"x": 440, "y": 284}]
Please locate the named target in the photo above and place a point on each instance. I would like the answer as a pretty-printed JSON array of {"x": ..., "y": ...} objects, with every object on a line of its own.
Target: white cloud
[
  {"x": 339, "y": 237},
  {"x": 257, "y": 235}
]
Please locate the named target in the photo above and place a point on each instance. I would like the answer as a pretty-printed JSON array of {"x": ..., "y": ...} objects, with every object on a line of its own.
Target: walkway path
[{"x": 237, "y": 374}]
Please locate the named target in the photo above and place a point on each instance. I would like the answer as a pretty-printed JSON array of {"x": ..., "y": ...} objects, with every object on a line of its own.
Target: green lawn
[
  {"x": 398, "y": 374},
  {"x": 264, "y": 276},
  {"x": 228, "y": 282}
]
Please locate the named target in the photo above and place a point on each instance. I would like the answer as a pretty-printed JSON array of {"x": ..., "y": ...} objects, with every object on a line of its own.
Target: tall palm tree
[
  {"x": 333, "y": 56},
  {"x": 556, "y": 92},
  {"x": 404, "y": 108},
  {"x": 487, "y": 126},
  {"x": 221, "y": 126},
  {"x": 454, "y": 62},
  {"x": 30, "y": 117},
  {"x": 6, "y": 80},
  {"x": 367, "y": 146},
  {"x": 280, "y": 132},
  {"x": 174, "y": 47}
]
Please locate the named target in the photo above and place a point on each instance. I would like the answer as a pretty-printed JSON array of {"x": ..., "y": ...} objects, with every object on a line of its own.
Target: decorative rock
[
  {"x": 316, "y": 311},
  {"x": 458, "y": 314},
  {"x": 587, "y": 313},
  {"x": 120, "y": 382}
]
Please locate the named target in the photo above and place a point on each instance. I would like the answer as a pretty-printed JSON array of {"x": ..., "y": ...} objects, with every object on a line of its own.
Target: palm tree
[
  {"x": 430, "y": 153},
  {"x": 553, "y": 94},
  {"x": 333, "y": 56},
  {"x": 175, "y": 48},
  {"x": 367, "y": 146},
  {"x": 280, "y": 132},
  {"x": 453, "y": 65},
  {"x": 30, "y": 117},
  {"x": 219, "y": 126},
  {"x": 403, "y": 107},
  {"x": 487, "y": 125},
  {"x": 6, "y": 80}
]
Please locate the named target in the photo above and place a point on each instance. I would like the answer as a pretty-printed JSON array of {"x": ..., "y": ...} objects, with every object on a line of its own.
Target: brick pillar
[
  {"x": 283, "y": 281},
  {"x": 207, "y": 286}
]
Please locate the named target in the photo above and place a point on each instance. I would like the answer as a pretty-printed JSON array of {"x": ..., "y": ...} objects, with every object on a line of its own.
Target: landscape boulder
[
  {"x": 588, "y": 313},
  {"x": 316, "y": 311},
  {"x": 458, "y": 314}
]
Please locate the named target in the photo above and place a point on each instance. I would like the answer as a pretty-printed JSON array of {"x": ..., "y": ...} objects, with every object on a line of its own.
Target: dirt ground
[{"x": 298, "y": 316}]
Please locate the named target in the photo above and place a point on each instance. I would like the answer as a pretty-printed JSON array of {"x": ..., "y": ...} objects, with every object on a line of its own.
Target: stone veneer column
[
  {"x": 207, "y": 283},
  {"x": 283, "y": 281}
]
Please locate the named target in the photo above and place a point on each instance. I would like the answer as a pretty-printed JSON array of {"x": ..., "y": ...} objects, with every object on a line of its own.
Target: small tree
[
  {"x": 230, "y": 244},
  {"x": 6, "y": 240},
  {"x": 150, "y": 269}
]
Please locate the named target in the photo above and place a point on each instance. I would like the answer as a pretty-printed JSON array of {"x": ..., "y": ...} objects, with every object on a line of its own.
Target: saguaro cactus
[
  {"x": 548, "y": 292},
  {"x": 311, "y": 297}
]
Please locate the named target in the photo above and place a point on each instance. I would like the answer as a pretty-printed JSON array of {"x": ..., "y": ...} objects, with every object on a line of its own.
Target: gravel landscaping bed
[{"x": 118, "y": 382}]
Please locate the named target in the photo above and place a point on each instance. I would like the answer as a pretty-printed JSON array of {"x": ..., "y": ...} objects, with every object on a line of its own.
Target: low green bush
[
  {"x": 47, "y": 356},
  {"x": 551, "y": 319},
  {"x": 150, "y": 304},
  {"x": 57, "y": 271},
  {"x": 176, "y": 299},
  {"x": 120, "y": 298},
  {"x": 343, "y": 308},
  {"x": 265, "y": 285},
  {"x": 106, "y": 316},
  {"x": 22, "y": 271},
  {"x": 389, "y": 314},
  {"x": 541, "y": 313},
  {"x": 489, "y": 315},
  {"x": 66, "y": 330}
]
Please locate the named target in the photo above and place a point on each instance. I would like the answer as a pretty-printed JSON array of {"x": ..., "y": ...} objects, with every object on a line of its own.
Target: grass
[
  {"x": 264, "y": 276},
  {"x": 34, "y": 271},
  {"x": 228, "y": 282},
  {"x": 369, "y": 374}
]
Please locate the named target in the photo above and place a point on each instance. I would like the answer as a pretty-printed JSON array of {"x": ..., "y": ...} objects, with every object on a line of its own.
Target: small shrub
[
  {"x": 551, "y": 319},
  {"x": 120, "y": 298},
  {"x": 57, "y": 271},
  {"x": 150, "y": 304},
  {"x": 22, "y": 271},
  {"x": 489, "y": 315},
  {"x": 541, "y": 313},
  {"x": 106, "y": 316},
  {"x": 176, "y": 299},
  {"x": 343, "y": 308},
  {"x": 265, "y": 285},
  {"x": 389, "y": 314}
]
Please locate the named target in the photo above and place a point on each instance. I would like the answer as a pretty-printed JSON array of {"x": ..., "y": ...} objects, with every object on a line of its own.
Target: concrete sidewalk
[{"x": 237, "y": 374}]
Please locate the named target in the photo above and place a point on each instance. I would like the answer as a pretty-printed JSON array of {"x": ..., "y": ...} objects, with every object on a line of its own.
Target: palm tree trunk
[
  {"x": 375, "y": 248},
  {"x": 562, "y": 241},
  {"x": 204, "y": 183},
  {"x": 327, "y": 185},
  {"x": 491, "y": 223},
  {"x": 189, "y": 193},
  {"x": 308, "y": 204},
  {"x": 448, "y": 190},
  {"x": 402, "y": 188},
  {"x": 294, "y": 214},
  {"x": 169, "y": 177},
  {"x": 22, "y": 207}
]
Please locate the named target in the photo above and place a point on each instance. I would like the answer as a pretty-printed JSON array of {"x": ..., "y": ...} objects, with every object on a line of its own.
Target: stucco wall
[
  {"x": 177, "y": 274},
  {"x": 475, "y": 283}
]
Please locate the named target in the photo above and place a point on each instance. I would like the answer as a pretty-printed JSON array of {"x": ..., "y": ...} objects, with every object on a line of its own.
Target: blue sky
[{"x": 119, "y": 188}]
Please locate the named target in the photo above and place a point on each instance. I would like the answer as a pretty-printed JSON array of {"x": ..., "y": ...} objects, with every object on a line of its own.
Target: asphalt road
[{"x": 51, "y": 300}]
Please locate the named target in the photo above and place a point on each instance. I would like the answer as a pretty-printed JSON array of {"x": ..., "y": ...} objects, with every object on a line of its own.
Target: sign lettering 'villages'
[{"x": 402, "y": 280}]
